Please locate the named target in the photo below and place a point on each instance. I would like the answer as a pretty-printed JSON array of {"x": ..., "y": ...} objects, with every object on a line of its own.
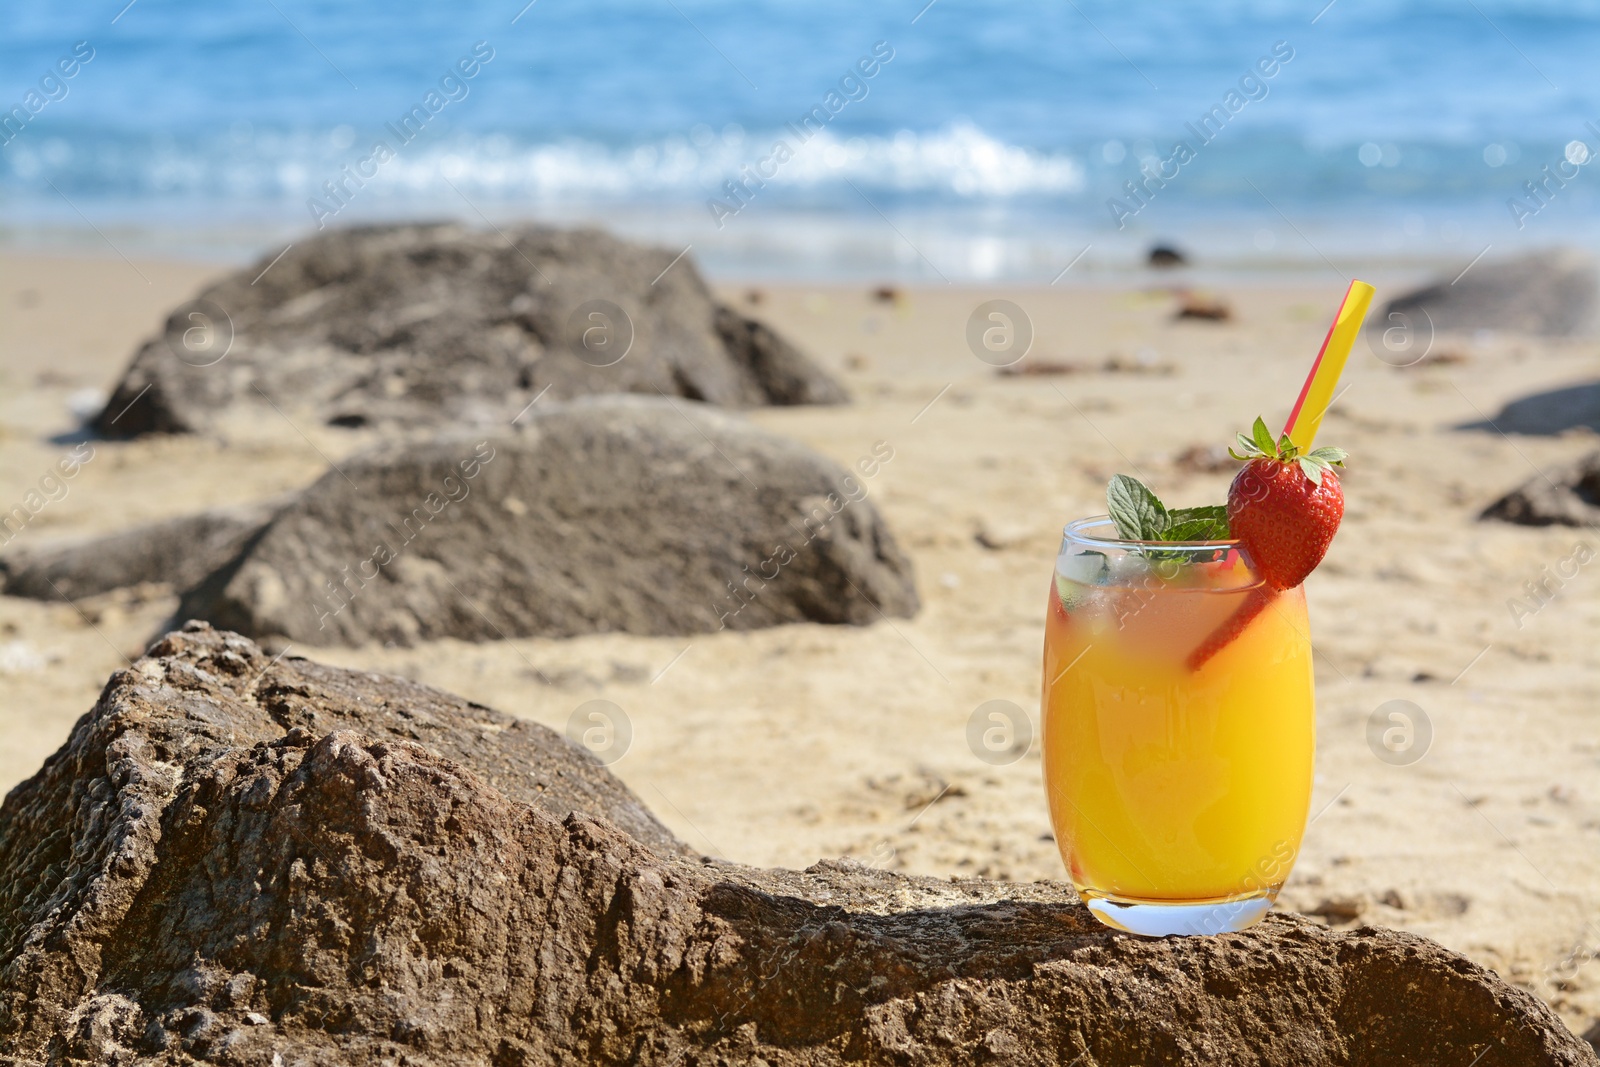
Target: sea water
[{"x": 951, "y": 140}]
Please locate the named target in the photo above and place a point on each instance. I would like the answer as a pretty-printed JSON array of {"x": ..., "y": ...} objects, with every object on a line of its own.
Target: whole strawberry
[{"x": 1284, "y": 507}]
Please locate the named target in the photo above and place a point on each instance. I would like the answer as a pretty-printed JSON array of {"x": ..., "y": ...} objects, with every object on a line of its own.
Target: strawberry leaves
[
  {"x": 1139, "y": 515},
  {"x": 1262, "y": 437},
  {"x": 1260, "y": 445},
  {"x": 1319, "y": 460}
]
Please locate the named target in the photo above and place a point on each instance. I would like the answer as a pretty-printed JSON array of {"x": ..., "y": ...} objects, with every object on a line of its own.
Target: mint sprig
[{"x": 1140, "y": 515}]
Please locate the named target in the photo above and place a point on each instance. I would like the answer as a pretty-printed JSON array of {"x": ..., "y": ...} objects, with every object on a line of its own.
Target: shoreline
[{"x": 833, "y": 249}]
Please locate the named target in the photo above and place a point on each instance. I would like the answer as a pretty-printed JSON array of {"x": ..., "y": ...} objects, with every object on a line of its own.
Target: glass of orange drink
[{"x": 1178, "y": 730}]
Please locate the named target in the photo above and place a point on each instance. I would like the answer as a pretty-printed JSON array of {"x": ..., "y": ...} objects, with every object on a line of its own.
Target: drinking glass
[{"x": 1178, "y": 730}]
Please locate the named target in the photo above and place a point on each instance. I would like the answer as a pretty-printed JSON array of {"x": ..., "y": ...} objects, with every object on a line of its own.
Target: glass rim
[{"x": 1074, "y": 531}]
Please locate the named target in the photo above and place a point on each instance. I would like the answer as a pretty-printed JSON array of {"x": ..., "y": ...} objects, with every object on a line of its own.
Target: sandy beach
[{"x": 788, "y": 745}]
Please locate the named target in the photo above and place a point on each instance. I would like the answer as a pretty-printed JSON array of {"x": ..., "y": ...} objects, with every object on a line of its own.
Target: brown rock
[
  {"x": 432, "y": 325},
  {"x": 1566, "y": 496},
  {"x": 1044, "y": 368},
  {"x": 254, "y": 862},
  {"x": 1203, "y": 307},
  {"x": 1340, "y": 910},
  {"x": 1205, "y": 459}
]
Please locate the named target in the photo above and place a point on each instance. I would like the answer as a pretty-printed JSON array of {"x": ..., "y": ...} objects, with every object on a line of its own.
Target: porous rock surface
[
  {"x": 1566, "y": 496},
  {"x": 634, "y": 514},
  {"x": 1553, "y": 293},
  {"x": 430, "y": 325},
  {"x": 245, "y": 861}
]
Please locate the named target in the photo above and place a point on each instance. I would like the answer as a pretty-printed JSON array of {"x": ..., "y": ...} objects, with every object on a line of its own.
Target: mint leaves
[
  {"x": 1139, "y": 515},
  {"x": 1209, "y": 523}
]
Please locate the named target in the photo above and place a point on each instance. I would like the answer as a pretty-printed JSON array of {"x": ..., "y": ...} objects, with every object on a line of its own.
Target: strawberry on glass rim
[{"x": 1284, "y": 506}]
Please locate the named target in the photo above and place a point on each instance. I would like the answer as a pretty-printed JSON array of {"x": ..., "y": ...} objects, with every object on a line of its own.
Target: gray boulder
[
  {"x": 1566, "y": 496},
  {"x": 1554, "y": 293},
  {"x": 177, "y": 552},
  {"x": 431, "y": 325},
  {"x": 648, "y": 516},
  {"x": 241, "y": 860},
  {"x": 1548, "y": 413}
]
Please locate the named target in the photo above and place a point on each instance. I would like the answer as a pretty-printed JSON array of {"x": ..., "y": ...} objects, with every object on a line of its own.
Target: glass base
[{"x": 1163, "y": 918}]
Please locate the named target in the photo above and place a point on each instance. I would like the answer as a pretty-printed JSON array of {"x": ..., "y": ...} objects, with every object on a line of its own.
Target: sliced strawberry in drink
[
  {"x": 1255, "y": 602},
  {"x": 1067, "y": 596}
]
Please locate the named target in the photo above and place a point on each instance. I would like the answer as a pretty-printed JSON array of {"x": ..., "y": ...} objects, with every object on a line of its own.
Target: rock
[
  {"x": 565, "y": 541},
  {"x": 1043, "y": 368},
  {"x": 1546, "y": 414},
  {"x": 1553, "y": 293},
  {"x": 1339, "y": 910},
  {"x": 431, "y": 325},
  {"x": 632, "y": 514},
  {"x": 1205, "y": 459},
  {"x": 251, "y": 861},
  {"x": 1161, "y": 256},
  {"x": 784, "y": 375},
  {"x": 178, "y": 552},
  {"x": 1566, "y": 496},
  {"x": 1203, "y": 307}
]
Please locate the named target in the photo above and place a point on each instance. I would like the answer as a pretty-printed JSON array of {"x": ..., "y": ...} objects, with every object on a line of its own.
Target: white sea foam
[{"x": 960, "y": 160}]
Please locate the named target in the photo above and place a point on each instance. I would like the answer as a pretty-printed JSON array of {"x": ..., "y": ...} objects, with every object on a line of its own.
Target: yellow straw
[{"x": 1317, "y": 393}]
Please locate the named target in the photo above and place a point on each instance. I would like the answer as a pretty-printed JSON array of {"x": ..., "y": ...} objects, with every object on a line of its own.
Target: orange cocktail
[{"x": 1178, "y": 730}]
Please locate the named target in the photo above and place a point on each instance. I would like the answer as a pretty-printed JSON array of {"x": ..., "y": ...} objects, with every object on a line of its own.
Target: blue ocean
[{"x": 948, "y": 140}]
